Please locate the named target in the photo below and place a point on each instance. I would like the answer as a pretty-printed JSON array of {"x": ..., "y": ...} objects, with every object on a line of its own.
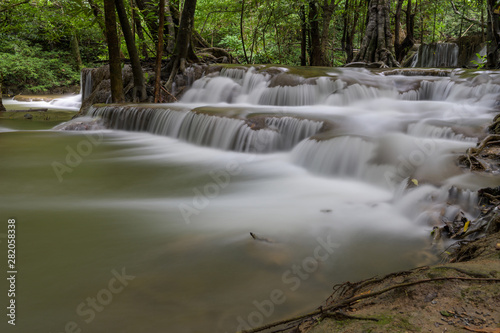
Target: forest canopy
[{"x": 45, "y": 43}]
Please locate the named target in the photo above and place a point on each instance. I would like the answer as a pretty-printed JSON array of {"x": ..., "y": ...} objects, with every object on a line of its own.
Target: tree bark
[
  {"x": 170, "y": 28},
  {"x": 159, "y": 51},
  {"x": 328, "y": 10},
  {"x": 493, "y": 35},
  {"x": 241, "y": 31},
  {"x": 316, "y": 57},
  {"x": 140, "y": 33},
  {"x": 115, "y": 68},
  {"x": 397, "y": 27},
  {"x": 377, "y": 43},
  {"x": 183, "y": 46},
  {"x": 409, "y": 40},
  {"x": 139, "y": 91},
  {"x": 2, "y": 108},
  {"x": 303, "y": 40},
  {"x": 75, "y": 49}
]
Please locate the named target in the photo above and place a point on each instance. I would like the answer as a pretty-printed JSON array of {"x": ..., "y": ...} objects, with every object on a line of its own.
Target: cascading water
[
  {"x": 412, "y": 108},
  {"x": 436, "y": 55},
  {"x": 279, "y": 133},
  {"x": 342, "y": 172}
]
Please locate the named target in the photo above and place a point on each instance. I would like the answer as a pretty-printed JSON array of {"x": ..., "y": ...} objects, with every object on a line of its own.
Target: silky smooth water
[{"x": 173, "y": 213}]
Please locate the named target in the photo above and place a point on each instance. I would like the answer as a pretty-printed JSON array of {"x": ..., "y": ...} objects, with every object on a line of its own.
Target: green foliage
[
  {"x": 482, "y": 60},
  {"x": 29, "y": 67},
  {"x": 35, "y": 50}
]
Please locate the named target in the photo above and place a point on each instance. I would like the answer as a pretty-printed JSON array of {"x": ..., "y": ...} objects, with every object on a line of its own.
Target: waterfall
[
  {"x": 424, "y": 130},
  {"x": 74, "y": 102},
  {"x": 85, "y": 83},
  {"x": 293, "y": 130},
  {"x": 437, "y": 55},
  {"x": 278, "y": 133},
  {"x": 344, "y": 156}
]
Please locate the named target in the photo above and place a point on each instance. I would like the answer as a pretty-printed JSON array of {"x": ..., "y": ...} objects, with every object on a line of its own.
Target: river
[{"x": 145, "y": 226}]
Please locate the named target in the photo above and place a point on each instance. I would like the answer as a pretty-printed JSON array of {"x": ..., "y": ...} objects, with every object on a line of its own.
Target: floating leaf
[{"x": 466, "y": 226}]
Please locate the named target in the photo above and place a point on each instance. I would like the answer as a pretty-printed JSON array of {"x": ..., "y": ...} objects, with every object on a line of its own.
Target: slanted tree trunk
[
  {"x": 183, "y": 46},
  {"x": 493, "y": 35},
  {"x": 139, "y": 91},
  {"x": 115, "y": 68},
  {"x": 377, "y": 43},
  {"x": 159, "y": 51}
]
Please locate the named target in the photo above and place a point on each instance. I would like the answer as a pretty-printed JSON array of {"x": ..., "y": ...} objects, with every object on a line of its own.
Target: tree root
[
  {"x": 347, "y": 302},
  {"x": 471, "y": 160}
]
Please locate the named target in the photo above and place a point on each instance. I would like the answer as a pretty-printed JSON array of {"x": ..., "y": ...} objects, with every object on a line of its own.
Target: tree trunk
[
  {"x": 183, "y": 41},
  {"x": 328, "y": 10},
  {"x": 115, "y": 68},
  {"x": 159, "y": 51},
  {"x": 409, "y": 40},
  {"x": 303, "y": 40},
  {"x": 377, "y": 43},
  {"x": 75, "y": 49},
  {"x": 241, "y": 31},
  {"x": 140, "y": 33},
  {"x": 316, "y": 56},
  {"x": 170, "y": 28},
  {"x": 139, "y": 91},
  {"x": 493, "y": 35},
  {"x": 397, "y": 27},
  {"x": 2, "y": 108}
]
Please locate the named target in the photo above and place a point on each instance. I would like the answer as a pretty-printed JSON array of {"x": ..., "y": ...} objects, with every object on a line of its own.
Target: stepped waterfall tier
[{"x": 245, "y": 201}]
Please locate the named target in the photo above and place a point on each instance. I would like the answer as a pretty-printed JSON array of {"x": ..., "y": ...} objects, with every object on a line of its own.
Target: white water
[
  {"x": 172, "y": 192},
  {"x": 437, "y": 55}
]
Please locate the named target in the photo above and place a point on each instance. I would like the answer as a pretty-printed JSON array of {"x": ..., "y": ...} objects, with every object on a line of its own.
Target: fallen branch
[
  {"x": 165, "y": 90},
  {"x": 351, "y": 300}
]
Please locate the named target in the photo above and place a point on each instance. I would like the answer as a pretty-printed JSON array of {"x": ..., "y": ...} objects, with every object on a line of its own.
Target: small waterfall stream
[{"x": 436, "y": 55}]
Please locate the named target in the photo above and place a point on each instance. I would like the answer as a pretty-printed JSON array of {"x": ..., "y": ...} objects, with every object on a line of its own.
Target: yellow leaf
[
  {"x": 466, "y": 226},
  {"x": 414, "y": 181}
]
